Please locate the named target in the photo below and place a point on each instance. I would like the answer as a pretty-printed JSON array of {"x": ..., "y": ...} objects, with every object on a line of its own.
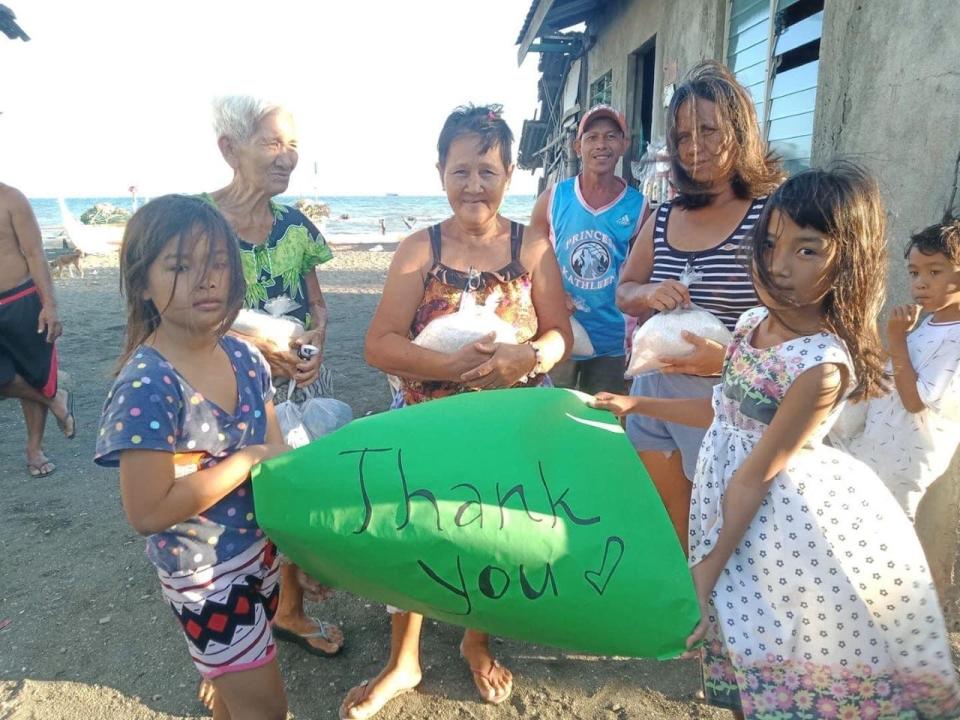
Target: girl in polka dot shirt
[{"x": 189, "y": 415}]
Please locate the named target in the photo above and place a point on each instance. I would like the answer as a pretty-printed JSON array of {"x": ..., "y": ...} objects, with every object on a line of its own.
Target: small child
[
  {"x": 911, "y": 433},
  {"x": 189, "y": 415},
  {"x": 815, "y": 598}
]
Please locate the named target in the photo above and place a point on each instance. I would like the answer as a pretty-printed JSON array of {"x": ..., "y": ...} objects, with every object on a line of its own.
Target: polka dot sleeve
[
  {"x": 141, "y": 412},
  {"x": 259, "y": 368}
]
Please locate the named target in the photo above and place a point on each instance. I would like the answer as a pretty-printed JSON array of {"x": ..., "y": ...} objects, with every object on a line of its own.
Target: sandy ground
[{"x": 89, "y": 636}]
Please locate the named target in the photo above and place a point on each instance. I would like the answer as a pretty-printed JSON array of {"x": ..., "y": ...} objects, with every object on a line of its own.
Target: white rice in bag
[
  {"x": 582, "y": 347},
  {"x": 470, "y": 323},
  {"x": 661, "y": 335},
  {"x": 277, "y": 330}
]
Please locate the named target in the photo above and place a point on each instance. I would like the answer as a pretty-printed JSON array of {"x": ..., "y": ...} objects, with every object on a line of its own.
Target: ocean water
[{"x": 362, "y": 213}]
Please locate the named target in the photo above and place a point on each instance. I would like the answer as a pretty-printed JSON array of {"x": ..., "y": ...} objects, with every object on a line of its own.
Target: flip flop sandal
[
  {"x": 303, "y": 639},
  {"x": 364, "y": 696},
  {"x": 36, "y": 471},
  {"x": 62, "y": 424},
  {"x": 488, "y": 676}
]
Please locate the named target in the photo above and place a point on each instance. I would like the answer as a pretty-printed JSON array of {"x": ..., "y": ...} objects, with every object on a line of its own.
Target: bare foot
[
  {"x": 38, "y": 464},
  {"x": 328, "y": 638},
  {"x": 494, "y": 682},
  {"x": 368, "y": 698},
  {"x": 206, "y": 694},
  {"x": 60, "y": 407}
]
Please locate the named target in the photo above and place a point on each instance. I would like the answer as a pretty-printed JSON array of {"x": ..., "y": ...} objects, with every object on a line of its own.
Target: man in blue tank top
[{"x": 592, "y": 219}]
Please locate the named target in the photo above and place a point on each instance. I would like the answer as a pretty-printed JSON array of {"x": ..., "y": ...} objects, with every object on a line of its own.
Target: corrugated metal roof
[
  {"x": 562, "y": 14},
  {"x": 527, "y": 20},
  {"x": 532, "y": 140}
]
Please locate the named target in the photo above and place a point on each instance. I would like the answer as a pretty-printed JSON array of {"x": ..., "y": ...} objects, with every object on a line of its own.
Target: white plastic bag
[
  {"x": 321, "y": 416},
  {"x": 280, "y": 305},
  {"x": 314, "y": 418},
  {"x": 582, "y": 347},
  {"x": 661, "y": 335},
  {"x": 291, "y": 421},
  {"x": 470, "y": 323},
  {"x": 279, "y": 331}
]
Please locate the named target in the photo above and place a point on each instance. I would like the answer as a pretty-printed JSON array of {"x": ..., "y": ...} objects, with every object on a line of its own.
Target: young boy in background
[{"x": 911, "y": 434}]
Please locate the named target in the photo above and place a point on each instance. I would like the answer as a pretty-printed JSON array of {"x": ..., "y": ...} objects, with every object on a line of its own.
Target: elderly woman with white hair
[{"x": 280, "y": 250}]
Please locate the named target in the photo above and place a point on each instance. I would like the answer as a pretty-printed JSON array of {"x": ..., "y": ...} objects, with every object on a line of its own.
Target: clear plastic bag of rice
[
  {"x": 582, "y": 347},
  {"x": 290, "y": 420},
  {"x": 303, "y": 423},
  {"x": 279, "y": 331},
  {"x": 321, "y": 416},
  {"x": 470, "y": 323},
  {"x": 662, "y": 335}
]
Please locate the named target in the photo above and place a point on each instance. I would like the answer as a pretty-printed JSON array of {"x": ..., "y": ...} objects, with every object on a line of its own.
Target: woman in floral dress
[{"x": 477, "y": 251}]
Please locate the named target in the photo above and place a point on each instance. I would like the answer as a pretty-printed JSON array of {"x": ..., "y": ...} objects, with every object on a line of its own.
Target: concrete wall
[
  {"x": 889, "y": 95},
  {"x": 686, "y": 31},
  {"x": 693, "y": 30},
  {"x": 623, "y": 28}
]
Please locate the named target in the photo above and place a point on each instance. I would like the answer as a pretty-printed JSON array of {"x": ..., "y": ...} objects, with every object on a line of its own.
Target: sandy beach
[{"x": 89, "y": 636}]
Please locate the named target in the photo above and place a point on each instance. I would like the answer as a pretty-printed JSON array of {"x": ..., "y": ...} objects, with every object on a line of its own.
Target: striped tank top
[{"x": 726, "y": 288}]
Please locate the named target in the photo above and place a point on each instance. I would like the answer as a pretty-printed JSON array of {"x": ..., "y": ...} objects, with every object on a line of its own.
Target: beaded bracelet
[{"x": 537, "y": 368}]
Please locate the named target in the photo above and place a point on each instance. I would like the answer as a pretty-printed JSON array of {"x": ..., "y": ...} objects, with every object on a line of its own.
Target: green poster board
[{"x": 522, "y": 513}]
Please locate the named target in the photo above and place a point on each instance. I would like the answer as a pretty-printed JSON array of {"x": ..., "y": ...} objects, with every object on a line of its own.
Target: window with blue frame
[
  {"x": 601, "y": 90},
  {"x": 773, "y": 48}
]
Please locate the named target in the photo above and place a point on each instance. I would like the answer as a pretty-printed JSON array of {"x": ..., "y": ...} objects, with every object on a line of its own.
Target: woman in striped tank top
[{"x": 722, "y": 172}]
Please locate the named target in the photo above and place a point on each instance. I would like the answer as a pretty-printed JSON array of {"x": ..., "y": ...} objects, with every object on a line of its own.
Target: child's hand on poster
[{"x": 619, "y": 405}]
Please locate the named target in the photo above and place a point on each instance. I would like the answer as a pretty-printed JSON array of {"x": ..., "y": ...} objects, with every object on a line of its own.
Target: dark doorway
[{"x": 641, "y": 71}]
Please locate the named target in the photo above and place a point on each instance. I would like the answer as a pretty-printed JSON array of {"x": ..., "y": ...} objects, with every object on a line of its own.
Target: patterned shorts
[{"x": 225, "y": 610}]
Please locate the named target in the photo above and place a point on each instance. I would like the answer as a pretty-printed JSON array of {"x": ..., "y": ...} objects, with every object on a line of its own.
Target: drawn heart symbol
[{"x": 599, "y": 579}]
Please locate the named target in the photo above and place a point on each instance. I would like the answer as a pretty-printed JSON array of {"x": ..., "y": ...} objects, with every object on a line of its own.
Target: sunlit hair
[
  {"x": 484, "y": 121},
  {"x": 841, "y": 202},
  {"x": 237, "y": 117},
  {"x": 942, "y": 237},
  {"x": 188, "y": 220},
  {"x": 755, "y": 170}
]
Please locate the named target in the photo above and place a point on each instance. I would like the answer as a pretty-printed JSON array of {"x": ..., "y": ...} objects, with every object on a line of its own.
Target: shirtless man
[{"x": 29, "y": 325}]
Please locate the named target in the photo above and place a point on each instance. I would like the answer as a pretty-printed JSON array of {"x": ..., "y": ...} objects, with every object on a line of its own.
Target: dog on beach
[{"x": 68, "y": 261}]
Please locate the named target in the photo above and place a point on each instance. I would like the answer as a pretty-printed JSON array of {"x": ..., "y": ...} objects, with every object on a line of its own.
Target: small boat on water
[{"x": 91, "y": 239}]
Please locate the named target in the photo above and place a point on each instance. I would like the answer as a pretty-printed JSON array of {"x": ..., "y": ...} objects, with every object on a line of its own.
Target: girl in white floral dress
[{"x": 815, "y": 595}]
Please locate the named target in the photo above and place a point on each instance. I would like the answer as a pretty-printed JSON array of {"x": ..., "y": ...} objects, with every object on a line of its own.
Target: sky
[{"x": 113, "y": 93}]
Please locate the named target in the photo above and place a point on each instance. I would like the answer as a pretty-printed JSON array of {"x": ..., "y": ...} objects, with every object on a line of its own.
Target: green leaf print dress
[{"x": 277, "y": 267}]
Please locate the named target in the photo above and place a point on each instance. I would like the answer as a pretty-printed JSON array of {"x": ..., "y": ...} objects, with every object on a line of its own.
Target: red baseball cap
[{"x": 602, "y": 111}]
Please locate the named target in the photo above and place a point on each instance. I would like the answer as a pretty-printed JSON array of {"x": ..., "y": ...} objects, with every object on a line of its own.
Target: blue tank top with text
[{"x": 591, "y": 246}]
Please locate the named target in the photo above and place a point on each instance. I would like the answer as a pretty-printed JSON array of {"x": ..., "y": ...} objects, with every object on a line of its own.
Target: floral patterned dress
[
  {"x": 826, "y": 608},
  {"x": 511, "y": 288}
]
